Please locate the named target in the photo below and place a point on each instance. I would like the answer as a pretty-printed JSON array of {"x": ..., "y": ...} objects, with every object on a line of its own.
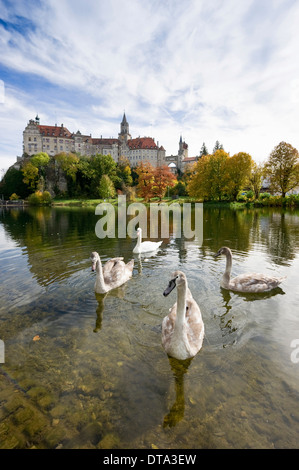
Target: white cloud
[{"x": 206, "y": 70}]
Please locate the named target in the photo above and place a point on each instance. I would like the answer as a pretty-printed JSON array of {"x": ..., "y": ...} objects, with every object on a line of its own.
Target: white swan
[
  {"x": 113, "y": 274},
  {"x": 144, "y": 247},
  {"x": 252, "y": 282},
  {"x": 183, "y": 327}
]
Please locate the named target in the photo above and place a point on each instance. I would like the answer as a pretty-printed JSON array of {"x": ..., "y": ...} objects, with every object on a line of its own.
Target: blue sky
[{"x": 220, "y": 70}]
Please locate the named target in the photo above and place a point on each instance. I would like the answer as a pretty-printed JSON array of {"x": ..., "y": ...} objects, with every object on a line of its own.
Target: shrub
[
  {"x": 265, "y": 195},
  {"x": 14, "y": 197},
  {"x": 249, "y": 195},
  {"x": 39, "y": 197}
]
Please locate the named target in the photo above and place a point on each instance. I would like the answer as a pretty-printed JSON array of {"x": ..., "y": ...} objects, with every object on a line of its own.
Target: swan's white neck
[
  {"x": 139, "y": 239},
  {"x": 181, "y": 305},
  {"x": 100, "y": 283},
  {"x": 228, "y": 268}
]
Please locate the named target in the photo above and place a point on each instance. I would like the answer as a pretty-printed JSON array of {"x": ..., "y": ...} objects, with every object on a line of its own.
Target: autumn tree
[
  {"x": 239, "y": 170},
  {"x": 30, "y": 175},
  {"x": 146, "y": 180},
  {"x": 163, "y": 178},
  {"x": 198, "y": 184},
  {"x": 282, "y": 168},
  {"x": 211, "y": 177}
]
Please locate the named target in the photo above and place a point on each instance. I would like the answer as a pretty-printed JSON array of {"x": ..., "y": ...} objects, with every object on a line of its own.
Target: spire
[{"x": 124, "y": 121}]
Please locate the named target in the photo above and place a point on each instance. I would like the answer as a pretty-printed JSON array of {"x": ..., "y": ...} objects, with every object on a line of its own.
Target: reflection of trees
[
  {"x": 226, "y": 226},
  {"x": 277, "y": 230},
  {"x": 100, "y": 310},
  {"x": 176, "y": 413},
  {"x": 280, "y": 233}
]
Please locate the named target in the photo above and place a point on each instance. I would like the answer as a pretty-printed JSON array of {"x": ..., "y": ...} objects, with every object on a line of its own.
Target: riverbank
[{"x": 291, "y": 201}]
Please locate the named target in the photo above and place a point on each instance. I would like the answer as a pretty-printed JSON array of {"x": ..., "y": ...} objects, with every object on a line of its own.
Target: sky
[{"x": 205, "y": 70}]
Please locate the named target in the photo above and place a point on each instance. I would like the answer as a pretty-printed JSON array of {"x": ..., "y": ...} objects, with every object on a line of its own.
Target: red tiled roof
[
  {"x": 104, "y": 141},
  {"x": 142, "y": 143},
  {"x": 190, "y": 159},
  {"x": 55, "y": 131}
]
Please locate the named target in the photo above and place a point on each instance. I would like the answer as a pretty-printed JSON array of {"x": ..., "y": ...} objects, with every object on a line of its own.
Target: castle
[{"x": 38, "y": 137}]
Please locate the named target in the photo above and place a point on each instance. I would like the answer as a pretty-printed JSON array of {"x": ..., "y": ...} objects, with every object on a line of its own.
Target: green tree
[
  {"x": 256, "y": 178},
  {"x": 239, "y": 169},
  {"x": 217, "y": 146},
  {"x": 40, "y": 160},
  {"x": 103, "y": 165},
  {"x": 203, "y": 150},
  {"x": 282, "y": 168},
  {"x": 68, "y": 163},
  {"x": 106, "y": 188},
  {"x": 12, "y": 182},
  {"x": 124, "y": 173}
]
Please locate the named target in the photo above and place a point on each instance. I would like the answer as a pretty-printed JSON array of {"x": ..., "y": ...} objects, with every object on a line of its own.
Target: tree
[
  {"x": 256, "y": 178},
  {"x": 210, "y": 180},
  {"x": 30, "y": 173},
  {"x": 68, "y": 163},
  {"x": 163, "y": 178},
  {"x": 40, "y": 160},
  {"x": 12, "y": 182},
  {"x": 198, "y": 184},
  {"x": 217, "y": 146},
  {"x": 124, "y": 173},
  {"x": 106, "y": 188},
  {"x": 146, "y": 180},
  {"x": 203, "y": 150},
  {"x": 282, "y": 168},
  {"x": 239, "y": 169}
]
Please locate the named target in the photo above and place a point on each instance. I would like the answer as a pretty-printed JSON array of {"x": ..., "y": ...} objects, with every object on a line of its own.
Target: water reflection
[
  {"x": 100, "y": 356},
  {"x": 118, "y": 293},
  {"x": 176, "y": 412},
  {"x": 100, "y": 311}
]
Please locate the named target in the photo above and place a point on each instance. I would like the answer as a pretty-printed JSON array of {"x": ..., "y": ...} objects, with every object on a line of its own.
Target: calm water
[{"x": 87, "y": 371}]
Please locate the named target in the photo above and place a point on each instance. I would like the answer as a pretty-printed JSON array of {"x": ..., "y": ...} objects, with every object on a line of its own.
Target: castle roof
[
  {"x": 190, "y": 159},
  {"x": 104, "y": 141},
  {"x": 142, "y": 143},
  {"x": 55, "y": 131}
]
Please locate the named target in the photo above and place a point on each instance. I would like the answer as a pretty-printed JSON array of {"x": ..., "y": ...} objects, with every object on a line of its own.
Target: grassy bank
[{"x": 268, "y": 201}]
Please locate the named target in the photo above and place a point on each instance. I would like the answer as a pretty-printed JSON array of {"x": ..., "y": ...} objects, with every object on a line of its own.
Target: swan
[
  {"x": 183, "y": 327},
  {"x": 113, "y": 274},
  {"x": 252, "y": 282},
  {"x": 144, "y": 247}
]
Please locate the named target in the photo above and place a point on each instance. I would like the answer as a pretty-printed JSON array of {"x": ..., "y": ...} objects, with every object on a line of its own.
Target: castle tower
[
  {"x": 183, "y": 152},
  {"x": 124, "y": 134}
]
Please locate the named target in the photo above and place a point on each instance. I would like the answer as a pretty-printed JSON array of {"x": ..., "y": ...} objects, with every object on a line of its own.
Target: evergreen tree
[
  {"x": 217, "y": 146},
  {"x": 203, "y": 150}
]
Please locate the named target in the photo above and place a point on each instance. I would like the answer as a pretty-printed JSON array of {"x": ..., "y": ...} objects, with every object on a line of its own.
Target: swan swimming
[
  {"x": 252, "y": 282},
  {"x": 145, "y": 247},
  {"x": 183, "y": 328},
  {"x": 113, "y": 274}
]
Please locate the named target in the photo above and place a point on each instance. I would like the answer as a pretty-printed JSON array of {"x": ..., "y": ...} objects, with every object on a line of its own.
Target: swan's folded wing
[{"x": 113, "y": 270}]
